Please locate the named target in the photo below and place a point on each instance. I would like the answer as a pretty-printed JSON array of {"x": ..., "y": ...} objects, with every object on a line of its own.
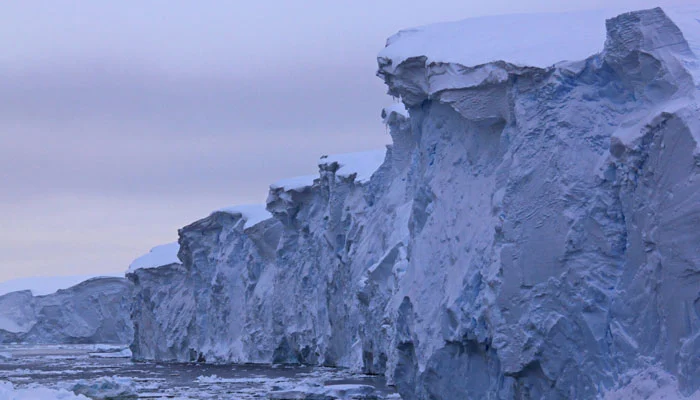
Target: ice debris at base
[
  {"x": 106, "y": 388},
  {"x": 165, "y": 254},
  {"x": 326, "y": 392},
  {"x": 8, "y": 392},
  {"x": 529, "y": 233},
  {"x": 94, "y": 311},
  {"x": 116, "y": 353},
  {"x": 217, "y": 379}
]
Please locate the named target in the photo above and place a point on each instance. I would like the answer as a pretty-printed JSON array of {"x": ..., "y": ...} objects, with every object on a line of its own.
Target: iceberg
[
  {"x": 530, "y": 232},
  {"x": 93, "y": 311}
]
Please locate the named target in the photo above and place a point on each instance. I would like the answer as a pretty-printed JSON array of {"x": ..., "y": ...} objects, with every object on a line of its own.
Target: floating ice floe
[
  {"x": 105, "y": 388},
  {"x": 9, "y": 392}
]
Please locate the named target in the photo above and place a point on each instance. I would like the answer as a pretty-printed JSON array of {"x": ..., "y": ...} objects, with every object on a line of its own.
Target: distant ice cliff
[{"x": 94, "y": 311}]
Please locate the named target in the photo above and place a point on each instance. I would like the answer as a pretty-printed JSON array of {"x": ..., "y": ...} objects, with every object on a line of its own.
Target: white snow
[
  {"x": 252, "y": 213},
  {"x": 363, "y": 164},
  {"x": 398, "y": 108},
  {"x": 535, "y": 40},
  {"x": 43, "y": 285},
  {"x": 8, "y": 392},
  {"x": 164, "y": 254},
  {"x": 538, "y": 40},
  {"x": 296, "y": 183}
]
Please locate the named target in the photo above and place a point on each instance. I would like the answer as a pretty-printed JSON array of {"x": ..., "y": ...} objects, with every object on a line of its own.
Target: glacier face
[
  {"x": 94, "y": 311},
  {"x": 530, "y": 233}
]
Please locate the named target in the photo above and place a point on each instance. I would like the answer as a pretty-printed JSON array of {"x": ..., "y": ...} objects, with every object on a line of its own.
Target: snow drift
[
  {"x": 530, "y": 233},
  {"x": 94, "y": 311}
]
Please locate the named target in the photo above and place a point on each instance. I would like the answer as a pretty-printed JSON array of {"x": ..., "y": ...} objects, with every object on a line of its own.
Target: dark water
[{"x": 62, "y": 367}]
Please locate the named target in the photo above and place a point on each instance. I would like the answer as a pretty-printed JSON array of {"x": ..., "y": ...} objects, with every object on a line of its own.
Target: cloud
[
  {"x": 132, "y": 132},
  {"x": 97, "y": 165}
]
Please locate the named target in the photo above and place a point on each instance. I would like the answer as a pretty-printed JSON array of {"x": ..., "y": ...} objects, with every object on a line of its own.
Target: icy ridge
[
  {"x": 43, "y": 285},
  {"x": 94, "y": 311},
  {"x": 529, "y": 234}
]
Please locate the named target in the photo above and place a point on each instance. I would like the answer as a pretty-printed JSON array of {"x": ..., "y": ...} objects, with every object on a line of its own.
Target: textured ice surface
[
  {"x": 649, "y": 384},
  {"x": 94, "y": 311},
  {"x": 530, "y": 233},
  {"x": 106, "y": 388}
]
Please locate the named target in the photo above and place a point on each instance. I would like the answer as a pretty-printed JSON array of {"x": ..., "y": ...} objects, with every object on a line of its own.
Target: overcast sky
[{"x": 121, "y": 122}]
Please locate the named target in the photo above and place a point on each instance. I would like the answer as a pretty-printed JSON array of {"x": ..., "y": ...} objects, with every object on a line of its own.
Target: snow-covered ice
[
  {"x": 534, "y": 40},
  {"x": 528, "y": 40},
  {"x": 252, "y": 213},
  {"x": 164, "y": 254},
  {"x": 296, "y": 183},
  {"x": 398, "y": 108},
  {"x": 361, "y": 164},
  {"x": 105, "y": 388},
  {"x": 122, "y": 353}
]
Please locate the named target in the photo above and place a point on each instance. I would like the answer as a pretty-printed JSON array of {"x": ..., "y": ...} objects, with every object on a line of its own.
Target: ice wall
[
  {"x": 94, "y": 311},
  {"x": 531, "y": 231}
]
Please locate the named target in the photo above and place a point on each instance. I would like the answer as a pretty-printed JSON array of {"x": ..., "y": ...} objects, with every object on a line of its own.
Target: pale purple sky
[{"x": 121, "y": 122}]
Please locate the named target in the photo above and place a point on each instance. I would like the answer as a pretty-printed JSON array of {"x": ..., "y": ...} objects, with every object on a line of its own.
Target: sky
[{"x": 121, "y": 122}]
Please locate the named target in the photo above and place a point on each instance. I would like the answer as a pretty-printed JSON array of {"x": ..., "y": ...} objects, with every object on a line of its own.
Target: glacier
[
  {"x": 530, "y": 233},
  {"x": 96, "y": 310}
]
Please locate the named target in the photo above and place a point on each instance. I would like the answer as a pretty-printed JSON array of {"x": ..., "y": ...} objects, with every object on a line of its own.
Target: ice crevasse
[{"x": 531, "y": 232}]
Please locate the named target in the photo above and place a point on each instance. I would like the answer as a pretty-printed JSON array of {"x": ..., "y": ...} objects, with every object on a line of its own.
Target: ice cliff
[
  {"x": 530, "y": 233},
  {"x": 94, "y": 311}
]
